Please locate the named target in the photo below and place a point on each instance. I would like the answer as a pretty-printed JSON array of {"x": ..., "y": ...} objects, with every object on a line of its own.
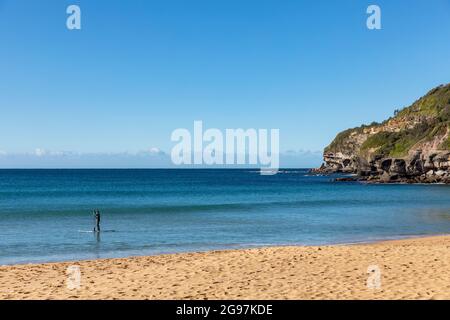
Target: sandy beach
[{"x": 416, "y": 268}]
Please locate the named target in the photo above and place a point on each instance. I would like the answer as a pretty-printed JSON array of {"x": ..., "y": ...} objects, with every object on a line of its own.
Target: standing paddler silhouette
[{"x": 97, "y": 220}]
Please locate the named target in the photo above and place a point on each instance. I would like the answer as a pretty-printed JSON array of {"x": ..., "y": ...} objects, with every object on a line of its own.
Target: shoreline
[
  {"x": 412, "y": 268},
  {"x": 244, "y": 247}
]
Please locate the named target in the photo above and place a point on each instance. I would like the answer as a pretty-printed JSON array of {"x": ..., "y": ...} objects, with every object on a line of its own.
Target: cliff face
[{"x": 412, "y": 146}]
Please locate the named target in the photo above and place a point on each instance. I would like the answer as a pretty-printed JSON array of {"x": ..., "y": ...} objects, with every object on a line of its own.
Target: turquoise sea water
[{"x": 45, "y": 215}]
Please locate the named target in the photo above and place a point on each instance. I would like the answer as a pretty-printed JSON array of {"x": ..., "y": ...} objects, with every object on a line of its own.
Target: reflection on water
[
  {"x": 436, "y": 215},
  {"x": 97, "y": 245}
]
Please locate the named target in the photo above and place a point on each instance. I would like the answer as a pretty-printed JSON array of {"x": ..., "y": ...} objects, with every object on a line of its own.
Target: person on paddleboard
[{"x": 97, "y": 220}]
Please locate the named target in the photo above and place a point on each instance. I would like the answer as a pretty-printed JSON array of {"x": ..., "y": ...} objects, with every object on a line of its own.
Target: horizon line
[{"x": 162, "y": 168}]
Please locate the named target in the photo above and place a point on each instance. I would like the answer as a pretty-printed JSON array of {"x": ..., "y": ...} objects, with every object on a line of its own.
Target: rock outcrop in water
[{"x": 413, "y": 146}]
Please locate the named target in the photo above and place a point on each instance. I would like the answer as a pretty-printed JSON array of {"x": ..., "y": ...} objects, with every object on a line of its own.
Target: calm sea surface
[{"x": 45, "y": 215}]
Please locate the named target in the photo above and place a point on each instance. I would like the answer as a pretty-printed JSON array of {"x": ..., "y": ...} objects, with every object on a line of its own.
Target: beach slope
[{"x": 408, "y": 269}]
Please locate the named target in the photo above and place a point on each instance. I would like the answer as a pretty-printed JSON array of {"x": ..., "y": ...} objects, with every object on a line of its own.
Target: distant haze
[{"x": 46, "y": 159}]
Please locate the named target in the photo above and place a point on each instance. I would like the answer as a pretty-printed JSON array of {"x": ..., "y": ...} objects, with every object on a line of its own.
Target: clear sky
[{"x": 139, "y": 69}]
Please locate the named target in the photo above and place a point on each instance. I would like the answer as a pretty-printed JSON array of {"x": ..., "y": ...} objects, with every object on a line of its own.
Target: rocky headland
[{"x": 413, "y": 146}]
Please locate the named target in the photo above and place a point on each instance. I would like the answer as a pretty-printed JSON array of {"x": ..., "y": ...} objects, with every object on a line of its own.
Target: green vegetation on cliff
[
  {"x": 397, "y": 144},
  {"x": 435, "y": 103},
  {"x": 423, "y": 121}
]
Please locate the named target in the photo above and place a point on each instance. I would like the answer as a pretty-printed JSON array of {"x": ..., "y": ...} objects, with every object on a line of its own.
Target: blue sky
[{"x": 137, "y": 70}]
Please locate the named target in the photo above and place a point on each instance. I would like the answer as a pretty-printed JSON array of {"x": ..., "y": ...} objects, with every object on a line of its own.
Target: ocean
[{"x": 46, "y": 215}]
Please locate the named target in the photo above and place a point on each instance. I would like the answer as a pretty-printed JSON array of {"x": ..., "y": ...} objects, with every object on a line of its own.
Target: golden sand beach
[{"x": 416, "y": 268}]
